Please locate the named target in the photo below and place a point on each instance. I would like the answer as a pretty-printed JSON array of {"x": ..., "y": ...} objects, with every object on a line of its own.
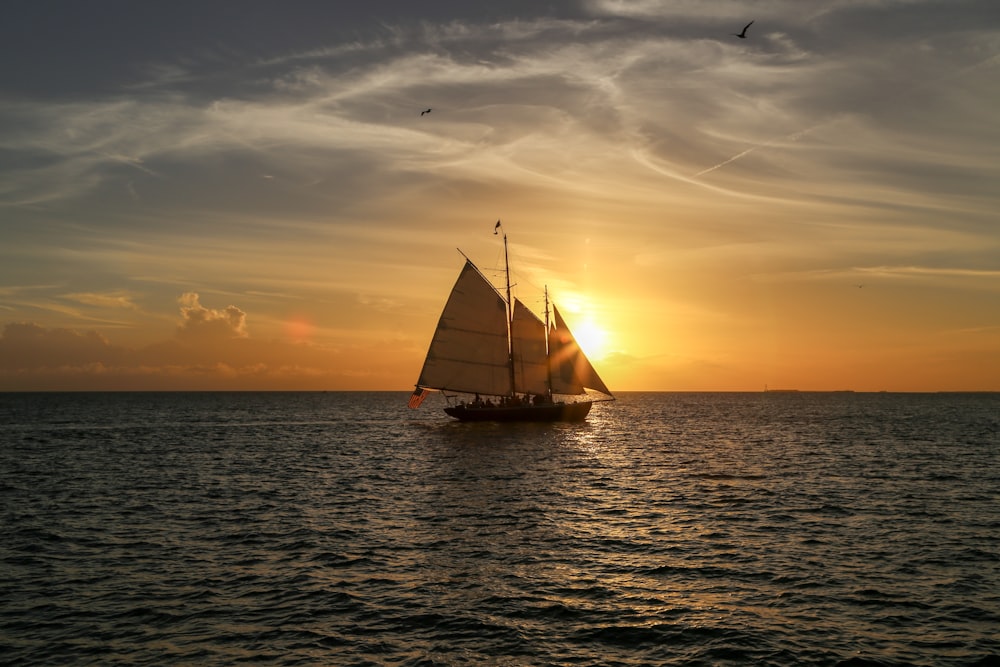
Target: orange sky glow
[{"x": 793, "y": 211}]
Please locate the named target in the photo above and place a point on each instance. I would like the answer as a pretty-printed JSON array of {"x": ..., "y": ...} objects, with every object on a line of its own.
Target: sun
[
  {"x": 299, "y": 329},
  {"x": 592, "y": 339}
]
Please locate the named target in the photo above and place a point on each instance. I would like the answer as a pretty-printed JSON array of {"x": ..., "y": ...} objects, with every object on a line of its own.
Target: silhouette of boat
[{"x": 509, "y": 364}]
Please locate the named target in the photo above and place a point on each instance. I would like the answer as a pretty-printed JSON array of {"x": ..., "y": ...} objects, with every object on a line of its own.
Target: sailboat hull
[{"x": 556, "y": 412}]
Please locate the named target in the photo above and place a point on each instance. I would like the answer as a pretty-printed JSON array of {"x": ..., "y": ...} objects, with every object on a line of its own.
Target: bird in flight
[
  {"x": 743, "y": 35},
  {"x": 425, "y": 111}
]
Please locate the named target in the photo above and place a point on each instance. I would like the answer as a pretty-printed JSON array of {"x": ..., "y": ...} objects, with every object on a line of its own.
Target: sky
[{"x": 207, "y": 195}]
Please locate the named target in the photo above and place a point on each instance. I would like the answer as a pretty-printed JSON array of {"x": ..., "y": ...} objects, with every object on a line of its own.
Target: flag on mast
[
  {"x": 496, "y": 227},
  {"x": 417, "y": 397}
]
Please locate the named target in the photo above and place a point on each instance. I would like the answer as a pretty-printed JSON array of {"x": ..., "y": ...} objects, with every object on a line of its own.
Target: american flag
[{"x": 417, "y": 397}]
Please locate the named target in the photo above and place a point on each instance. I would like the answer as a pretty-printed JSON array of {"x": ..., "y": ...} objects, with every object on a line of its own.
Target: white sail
[
  {"x": 531, "y": 371},
  {"x": 469, "y": 351},
  {"x": 571, "y": 370}
]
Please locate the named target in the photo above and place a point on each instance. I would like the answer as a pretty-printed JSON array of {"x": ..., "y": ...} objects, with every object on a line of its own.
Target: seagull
[
  {"x": 425, "y": 111},
  {"x": 743, "y": 35}
]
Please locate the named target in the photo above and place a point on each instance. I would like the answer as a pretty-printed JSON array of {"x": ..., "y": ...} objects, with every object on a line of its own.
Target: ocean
[{"x": 344, "y": 529}]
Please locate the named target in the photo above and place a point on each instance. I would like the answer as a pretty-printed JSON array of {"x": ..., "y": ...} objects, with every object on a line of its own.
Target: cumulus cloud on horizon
[
  {"x": 201, "y": 323},
  {"x": 211, "y": 349}
]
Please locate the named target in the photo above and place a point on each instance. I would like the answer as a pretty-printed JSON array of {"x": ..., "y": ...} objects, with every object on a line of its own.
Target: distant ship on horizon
[{"x": 807, "y": 391}]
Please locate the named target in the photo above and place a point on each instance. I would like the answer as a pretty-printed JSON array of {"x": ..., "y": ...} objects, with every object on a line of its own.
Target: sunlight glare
[{"x": 592, "y": 339}]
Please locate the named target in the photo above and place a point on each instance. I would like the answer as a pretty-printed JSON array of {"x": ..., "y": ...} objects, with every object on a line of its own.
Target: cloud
[
  {"x": 25, "y": 345},
  {"x": 103, "y": 300},
  {"x": 523, "y": 101},
  {"x": 212, "y": 350},
  {"x": 988, "y": 279},
  {"x": 201, "y": 324}
]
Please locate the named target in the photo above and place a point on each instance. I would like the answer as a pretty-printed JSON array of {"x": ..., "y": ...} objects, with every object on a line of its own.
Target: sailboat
[{"x": 515, "y": 365}]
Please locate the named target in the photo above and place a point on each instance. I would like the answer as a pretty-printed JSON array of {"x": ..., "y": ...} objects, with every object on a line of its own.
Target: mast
[
  {"x": 510, "y": 315},
  {"x": 548, "y": 352}
]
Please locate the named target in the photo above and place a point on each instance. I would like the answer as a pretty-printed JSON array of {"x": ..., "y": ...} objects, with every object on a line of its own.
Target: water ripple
[{"x": 670, "y": 529}]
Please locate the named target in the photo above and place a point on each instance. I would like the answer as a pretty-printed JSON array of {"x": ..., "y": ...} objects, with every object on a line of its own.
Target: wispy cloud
[
  {"x": 116, "y": 299},
  {"x": 590, "y": 86},
  {"x": 933, "y": 272}
]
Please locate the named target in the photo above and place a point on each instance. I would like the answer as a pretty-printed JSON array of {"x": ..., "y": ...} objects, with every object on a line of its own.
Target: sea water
[{"x": 345, "y": 529}]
